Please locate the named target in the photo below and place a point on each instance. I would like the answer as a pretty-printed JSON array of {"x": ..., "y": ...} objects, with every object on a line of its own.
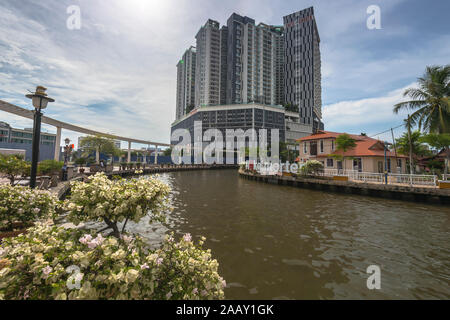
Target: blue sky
[{"x": 117, "y": 73}]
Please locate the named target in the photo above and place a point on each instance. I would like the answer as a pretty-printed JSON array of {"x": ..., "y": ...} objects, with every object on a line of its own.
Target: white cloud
[{"x": 363, "y": 114}]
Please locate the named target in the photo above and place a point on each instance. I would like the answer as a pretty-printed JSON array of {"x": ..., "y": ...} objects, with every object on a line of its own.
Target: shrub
[
  {"x": 38, "y": 265},
  {"x": 49, "y": 166},
  {"x": 22, "y": 204},
  {"x": 312, "y": 167},
  {"x": 80, "y": 161},
  {"x": 114, "y": 201}
]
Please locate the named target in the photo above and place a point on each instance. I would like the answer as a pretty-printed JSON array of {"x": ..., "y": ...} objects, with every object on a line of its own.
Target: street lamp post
[
  {"x": 385, "y": 162},
  {"x": 40, "y": 101},
  {"x": 67, "y": 150}
]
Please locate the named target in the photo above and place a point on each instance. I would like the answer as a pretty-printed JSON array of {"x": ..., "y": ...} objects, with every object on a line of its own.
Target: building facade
[
  {"x": 302, "y": 67},
  {"x": 243, "y": 116},
  {"x": 22, "y": 139},
  {"x": 255, "y": 62},
  {"x": 207, "y": 72},
  {"x": 186, "y": 82}
]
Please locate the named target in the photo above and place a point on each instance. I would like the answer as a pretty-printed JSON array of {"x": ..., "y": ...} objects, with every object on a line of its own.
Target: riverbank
[{"x": 395, "y": 192}]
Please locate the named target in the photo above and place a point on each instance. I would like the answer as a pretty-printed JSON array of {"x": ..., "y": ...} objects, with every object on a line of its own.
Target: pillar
[
  {"x": 58, "y": 143},
  {"x": 156, "y": 154},
  {"x": 129, "y": 151}
]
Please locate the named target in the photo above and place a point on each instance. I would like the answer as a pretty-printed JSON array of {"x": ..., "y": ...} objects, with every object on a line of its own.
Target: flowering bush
[
  {"x": 311, "y": 167},
  {"x": 22, "y": 204},
  {"x": 55, "y": 263},
  {"x": 114, "y": 201}
]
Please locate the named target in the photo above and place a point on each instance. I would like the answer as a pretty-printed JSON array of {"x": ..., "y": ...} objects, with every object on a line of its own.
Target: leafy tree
[
  {"x": 291, "y": 107},
  {"x": 49, "y": 166},
  {"x": 344, "y": 143},
  {"x": 168, "y": 152},
  {"x": 418, "y": 148},
  {"x": 99, "y": 144},
  {"x": 439, "y": 142},
  {"x": 287, "y": 154},
  {"x": 430, "y": 101},
  {"x": 189, "y": 108},
  {"x": 12, "y": 166}
]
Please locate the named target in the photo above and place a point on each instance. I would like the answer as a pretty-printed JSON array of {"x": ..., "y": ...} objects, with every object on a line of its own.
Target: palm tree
[{"x": 430, "y": 101}]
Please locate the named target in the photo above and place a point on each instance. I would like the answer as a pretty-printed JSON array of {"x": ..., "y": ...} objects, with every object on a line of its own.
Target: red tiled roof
[{"x": 327, "y": 134}]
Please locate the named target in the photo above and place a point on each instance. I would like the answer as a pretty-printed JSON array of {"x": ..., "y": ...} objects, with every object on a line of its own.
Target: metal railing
[{"x": 409, "y": 179}]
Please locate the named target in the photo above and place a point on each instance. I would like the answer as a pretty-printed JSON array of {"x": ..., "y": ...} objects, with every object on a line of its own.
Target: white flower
[{"x": 187, "y": 237}]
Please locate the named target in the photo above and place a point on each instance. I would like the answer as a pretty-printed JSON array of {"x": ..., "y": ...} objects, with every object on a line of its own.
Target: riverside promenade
[{"x": 396, "y": 192}]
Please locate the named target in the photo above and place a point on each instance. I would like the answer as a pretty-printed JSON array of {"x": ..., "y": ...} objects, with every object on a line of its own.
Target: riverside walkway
[{"x": 397, "y": 192}]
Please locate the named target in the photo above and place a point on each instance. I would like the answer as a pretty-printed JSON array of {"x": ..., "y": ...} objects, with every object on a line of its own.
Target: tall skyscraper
[
  {"x": 186, "y": 82},
  {"x": 302, "y": 75},
  {"x": 254, "y": 54},
  {"x": 244, "y": 63},
  {"x": 207, "y": 84}
]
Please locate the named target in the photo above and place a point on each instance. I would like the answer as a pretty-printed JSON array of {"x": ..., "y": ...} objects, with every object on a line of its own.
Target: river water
[{"x": 278, "y": 242}]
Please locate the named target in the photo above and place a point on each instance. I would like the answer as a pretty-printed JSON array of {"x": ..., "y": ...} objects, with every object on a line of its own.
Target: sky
[{"x": 117, "y": 73}]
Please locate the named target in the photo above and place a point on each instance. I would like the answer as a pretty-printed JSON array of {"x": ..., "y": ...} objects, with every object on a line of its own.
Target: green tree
[
  {"x": 439, "y": 142},
  {"x": 168, "y": 152},
  {"x": 430, "y": 101},
  {"x": 286, "y": 153},
  {"x": 344, "y": 143},
  {"x": 189, "y": 108},
  {"x": 418, "y": 148},
  {"x": 99, "y": 144},
  {"x": 12, "y": 166}
]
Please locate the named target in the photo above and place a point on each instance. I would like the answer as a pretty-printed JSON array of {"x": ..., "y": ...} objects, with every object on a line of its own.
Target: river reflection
[{"x": 276, "y": 242}]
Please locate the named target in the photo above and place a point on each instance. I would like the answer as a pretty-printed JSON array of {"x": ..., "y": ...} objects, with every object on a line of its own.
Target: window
[
  {"x": 305, "y": 148},
  {"x": 321, "y": 146},
  {"x": 332, "y": 145},
  {"x": 330, "y": 163}
]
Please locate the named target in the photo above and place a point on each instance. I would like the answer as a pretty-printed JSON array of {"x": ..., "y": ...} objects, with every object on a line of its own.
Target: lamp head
[{"x": 40, "y": 98}]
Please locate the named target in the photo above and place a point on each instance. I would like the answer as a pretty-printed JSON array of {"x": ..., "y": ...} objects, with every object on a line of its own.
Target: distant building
[
  {"x": 186, "y": 82},
  {"x": 367, "y": 156},
  {"x": 207, "y": 82},
  {"x": 22, "y": 139}
]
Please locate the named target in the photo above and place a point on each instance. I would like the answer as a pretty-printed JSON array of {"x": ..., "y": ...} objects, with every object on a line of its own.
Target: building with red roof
[{"x": 367, "y": 156}]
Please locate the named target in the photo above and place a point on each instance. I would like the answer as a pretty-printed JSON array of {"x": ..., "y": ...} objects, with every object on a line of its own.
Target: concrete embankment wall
[{"x": 396, "y": 192}]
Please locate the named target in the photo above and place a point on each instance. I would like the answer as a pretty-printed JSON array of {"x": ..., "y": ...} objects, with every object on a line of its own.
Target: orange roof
[
  {"x": 365, "y": 146},
  {"x": 327, "y": 134}
]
